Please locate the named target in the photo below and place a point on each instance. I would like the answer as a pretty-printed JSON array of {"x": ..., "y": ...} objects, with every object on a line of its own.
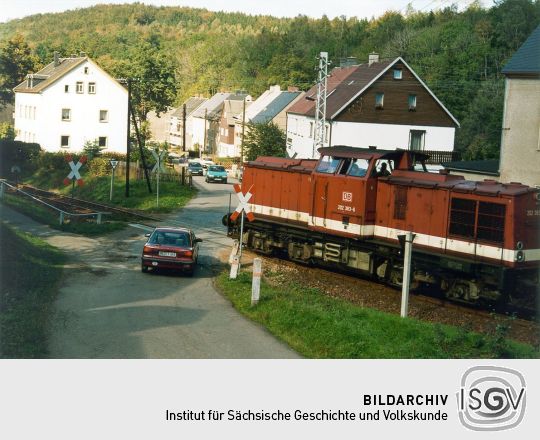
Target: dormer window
[
  {"x": 379, "y": 100},
  {"x": 398, "y": 74},
  {"x": 92, "y": 87},
  {"x": 79, "y": 87}
]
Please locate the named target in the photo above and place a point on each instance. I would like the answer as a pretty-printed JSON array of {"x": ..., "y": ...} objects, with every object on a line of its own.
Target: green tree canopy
[
  {"x": 16, "y": 61},
  {"x": 264, "y": 139}
]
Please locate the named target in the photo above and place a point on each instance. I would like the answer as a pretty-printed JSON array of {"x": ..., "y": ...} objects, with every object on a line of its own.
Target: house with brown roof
[
  {"x": 382, "y": 104},
  {"x": 70, "y": 102}
]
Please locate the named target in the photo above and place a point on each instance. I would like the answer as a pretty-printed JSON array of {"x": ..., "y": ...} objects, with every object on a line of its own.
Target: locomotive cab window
[
  {"x": 328, "y": 165},
  {"x": 358, "y": 167}
]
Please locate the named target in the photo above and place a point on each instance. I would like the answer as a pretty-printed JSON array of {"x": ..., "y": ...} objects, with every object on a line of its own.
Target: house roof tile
[
  {"x": 49, "y": 74},
  {"x": 526, "y": 60}
]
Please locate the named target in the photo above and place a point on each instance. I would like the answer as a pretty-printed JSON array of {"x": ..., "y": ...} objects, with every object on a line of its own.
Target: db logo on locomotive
[
  {"x": 347, "y": 196},
  {"x": 491, "y": 398}
]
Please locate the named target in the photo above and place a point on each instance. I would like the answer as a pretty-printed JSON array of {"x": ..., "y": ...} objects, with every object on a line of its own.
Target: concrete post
[
  {"x": 61, "y": 219},
  {"x": 409, "y": 237},
  {"x": 98, "y": 218},
  {"x": 234, "y": 267},
  {"x": 256, "y": 282},
  {"x": 2, "y": 189}
]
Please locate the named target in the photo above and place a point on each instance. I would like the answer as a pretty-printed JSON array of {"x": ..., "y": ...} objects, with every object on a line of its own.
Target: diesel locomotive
[{"x": 474, "y": 241}]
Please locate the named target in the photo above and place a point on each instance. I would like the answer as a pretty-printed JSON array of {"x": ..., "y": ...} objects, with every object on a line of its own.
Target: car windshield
[
  {"x": 170, "y": 238},
  {"x": 195, "y": 165},
  {"x": 328, "y": 165},
  {"x": 216, "y": 168}
]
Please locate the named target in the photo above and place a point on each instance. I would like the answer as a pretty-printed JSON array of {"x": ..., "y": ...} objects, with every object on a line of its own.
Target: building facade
[
  {"x": 70, "y": 102},
  {"x": 520, "y": 139},
  {"x": 381, "y": 104}
]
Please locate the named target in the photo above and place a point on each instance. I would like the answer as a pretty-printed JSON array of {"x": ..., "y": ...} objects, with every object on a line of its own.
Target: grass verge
[
  {"x": 30, "y": 271},
  {"x": 318, "y": 326},
  {"x": 49, "y": 217},
  {"x": 172, "y": 195}
]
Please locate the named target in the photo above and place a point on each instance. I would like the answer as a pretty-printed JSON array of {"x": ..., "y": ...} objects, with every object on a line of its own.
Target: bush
[
  {"x": 98, "y": 166},
  {"x": 18, "y": 153}
]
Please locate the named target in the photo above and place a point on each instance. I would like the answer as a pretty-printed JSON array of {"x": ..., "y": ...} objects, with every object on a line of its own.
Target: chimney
[
  {"x": 73, "y": 55},
  {"x": 82, "y": 54},
  {"x": 293, "y": 89},
  {"x": 373, "y": 58},
  {"x": 56, "y": 59},
  {"x": 275, "y": 88},
  {"x": 30, "y": 81}
]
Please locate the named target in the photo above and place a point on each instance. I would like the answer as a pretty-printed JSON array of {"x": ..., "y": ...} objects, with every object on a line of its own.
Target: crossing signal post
[
  {"x": 242, "y": 208},
  {"x": 158, "y": 168},
  {"x": 113, "y": 164}
]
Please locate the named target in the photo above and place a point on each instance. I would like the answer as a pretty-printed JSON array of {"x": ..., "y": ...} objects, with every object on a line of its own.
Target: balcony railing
[{"x": 438, "y": 157}]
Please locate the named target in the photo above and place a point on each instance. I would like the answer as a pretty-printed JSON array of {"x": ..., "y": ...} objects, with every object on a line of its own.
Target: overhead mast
[{"x": 320, "y": 105}]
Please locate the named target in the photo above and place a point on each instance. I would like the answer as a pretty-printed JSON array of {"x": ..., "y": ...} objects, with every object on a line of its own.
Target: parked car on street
[
  {"x": 216, "y": 173},
  {"x": 206, "y": 162},
  {"x": 171, "y": 248},
  {"x": 195, "y": 168}
]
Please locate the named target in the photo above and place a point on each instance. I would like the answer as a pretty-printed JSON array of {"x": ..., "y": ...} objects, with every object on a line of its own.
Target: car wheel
[
  {"x": 144, "y": 268},
  {"x": 206, "y": 180},
  {"x": 225, "y": 181}
]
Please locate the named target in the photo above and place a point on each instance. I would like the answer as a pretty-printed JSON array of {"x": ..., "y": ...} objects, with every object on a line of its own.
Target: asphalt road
[{"x": 107, "y": 308}]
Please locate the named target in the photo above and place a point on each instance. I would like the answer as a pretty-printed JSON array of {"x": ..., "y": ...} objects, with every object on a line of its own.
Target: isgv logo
[{"x": 491, "y": 398}]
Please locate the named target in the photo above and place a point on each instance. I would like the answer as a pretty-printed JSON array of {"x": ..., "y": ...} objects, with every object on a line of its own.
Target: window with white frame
[
  {"x": 79, "y": 87},
  {"x": 66, "y": 114},
  {"x": 311, "y": 126},
  {"x": 64, "y": 141},
  {"x": 326, "y": 133},
  {"x": 398, "y": 74},
  {"x": 92, "y": 87},
  {"x": 104, "y": 116}
]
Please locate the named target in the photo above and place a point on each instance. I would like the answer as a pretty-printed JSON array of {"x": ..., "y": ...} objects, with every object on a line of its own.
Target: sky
[{"x": 10, "y": 9}]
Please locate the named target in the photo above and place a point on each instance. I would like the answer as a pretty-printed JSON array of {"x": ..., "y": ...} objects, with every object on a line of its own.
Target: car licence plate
[{"x": 167, "y": 254}]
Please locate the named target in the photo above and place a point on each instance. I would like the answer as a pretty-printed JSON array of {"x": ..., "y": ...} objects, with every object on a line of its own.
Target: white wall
[
  {"x": 197, "y": 127},
  {"x": 354, "y": 134},
  {"x": 84, "y": 125},
  {"x": 520, "y": 144}
]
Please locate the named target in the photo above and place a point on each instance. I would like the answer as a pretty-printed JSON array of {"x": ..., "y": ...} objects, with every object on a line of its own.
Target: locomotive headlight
[
  {"x": 520, "y": 256},
  {"x": 519, "y": 245}
]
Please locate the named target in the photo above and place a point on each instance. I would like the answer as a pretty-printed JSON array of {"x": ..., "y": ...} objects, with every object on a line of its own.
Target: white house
[
  {"x": 176, "y": 123},
  {"x": 381, "y": 104},
  {"x": 520, "y": 140},
  {"x": 69, "y": 102}
]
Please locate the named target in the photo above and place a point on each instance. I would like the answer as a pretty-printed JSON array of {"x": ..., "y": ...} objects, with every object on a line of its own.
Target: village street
[{"x": 107, "y": 308}]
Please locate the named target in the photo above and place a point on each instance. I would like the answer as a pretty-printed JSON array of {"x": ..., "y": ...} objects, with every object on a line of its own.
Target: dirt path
[{"x": 107, "y": 308}]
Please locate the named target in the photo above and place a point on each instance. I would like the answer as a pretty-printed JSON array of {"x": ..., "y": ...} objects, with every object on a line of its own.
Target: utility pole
[
  {"x": 320, "y": 107},
  {"x": 243, "y": 129},
  {"x": 184, "y": 128},
  {"x": 128, "y": 150},
  {"x": 204, "y": 146},
  {"x": 141, "y": 149}
]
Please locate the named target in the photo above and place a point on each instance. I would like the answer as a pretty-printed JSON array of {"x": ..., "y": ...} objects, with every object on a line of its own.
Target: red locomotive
[{"x": 474, "y": 240}]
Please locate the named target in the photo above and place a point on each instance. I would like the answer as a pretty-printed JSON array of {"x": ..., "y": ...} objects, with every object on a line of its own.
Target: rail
[{"x": 61, "y": 213}]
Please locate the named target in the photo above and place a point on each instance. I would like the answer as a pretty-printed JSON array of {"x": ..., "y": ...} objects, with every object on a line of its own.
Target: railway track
[
  {"x": 522, "y": 324},
  {"x": 83, "y": 206}
]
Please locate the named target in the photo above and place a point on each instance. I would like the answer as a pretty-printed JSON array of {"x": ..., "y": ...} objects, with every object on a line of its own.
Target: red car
[{"x": 171, "y": 248}]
